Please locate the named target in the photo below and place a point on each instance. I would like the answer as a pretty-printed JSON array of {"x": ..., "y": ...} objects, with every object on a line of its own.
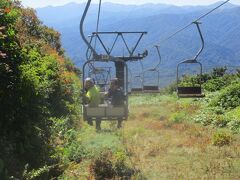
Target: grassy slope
[{"x": 163, "y": 144}]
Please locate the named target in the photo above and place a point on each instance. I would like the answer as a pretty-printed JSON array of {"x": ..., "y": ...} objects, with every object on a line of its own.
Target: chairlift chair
[
  {"x": 137, "y": 86},
  {"x": 105, "y": 111},
  {"x": 189, "y": 91},
  {"x": 192, "y": 91},
  {"x": 152, "y": 87},
  {"x": 137, "y": 81}
]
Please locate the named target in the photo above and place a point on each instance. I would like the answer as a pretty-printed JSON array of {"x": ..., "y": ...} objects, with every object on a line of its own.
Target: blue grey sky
[{"x": 42, "y": 3}]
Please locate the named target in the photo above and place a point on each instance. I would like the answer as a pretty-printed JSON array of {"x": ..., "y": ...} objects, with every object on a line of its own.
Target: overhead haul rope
[
  {"x": 188, "y": 25},
  {"x": 201, "y": 17}
]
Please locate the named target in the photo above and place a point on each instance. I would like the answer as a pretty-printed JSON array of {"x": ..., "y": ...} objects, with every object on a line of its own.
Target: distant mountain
[{"x": 221, "y": 31}]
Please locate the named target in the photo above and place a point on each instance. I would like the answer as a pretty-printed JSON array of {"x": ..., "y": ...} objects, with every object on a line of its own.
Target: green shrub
[
  {"x": 233, "y": 118},
  {"x": 204, "y": 117},
  {"x": 60, "y": 126},
  {"x": 178, "y": 117},
  {"x": 102, "y": 167},
  {"x": 41, "y": 173},
  {"x": 238, "y": 73},
  {"x": 38, "y": 83},
  {"x": 220, "y": 121},
  {"x": 190, "y": 81},
  {"x": 218, "y": 72},
  {"x": 229, "y": 97},
  {"x": 75, "y": 152},
  {"x": 213, "y": 85},
  {"x": 120, "y": 166},
  {"x": 112, "y": 166},
  {"x": 234, "y": 125},
  {"x": 221, "y": 139},
  {"x": 170, "y": 89}
]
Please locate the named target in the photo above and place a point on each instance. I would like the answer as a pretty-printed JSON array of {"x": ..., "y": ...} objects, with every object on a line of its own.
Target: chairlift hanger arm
[
  {"x": 194, "y": 60},
  {"x": 81, "y": 28},
  {"x": 159, "y": 55},
  {"x": 159, "y": 60},
  {"x": 202, "y": 40}
]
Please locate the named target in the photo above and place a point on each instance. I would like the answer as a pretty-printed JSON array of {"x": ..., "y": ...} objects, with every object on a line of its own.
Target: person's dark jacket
[{"x": 117, "y": 97}]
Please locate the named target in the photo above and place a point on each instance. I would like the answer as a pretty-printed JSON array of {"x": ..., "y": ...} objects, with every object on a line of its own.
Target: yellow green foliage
[{"x": 37, "y": 84}]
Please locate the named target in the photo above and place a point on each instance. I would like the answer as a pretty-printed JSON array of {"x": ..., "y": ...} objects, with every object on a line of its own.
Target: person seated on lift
[
  {"x": 92, "y": 97},
  {"x": 116, "y": 96}
]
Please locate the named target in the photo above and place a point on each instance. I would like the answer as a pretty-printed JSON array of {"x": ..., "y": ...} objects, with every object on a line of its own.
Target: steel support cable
[
  {"x": 197, "y": 23},
  {"x": 188, "y": 25}
]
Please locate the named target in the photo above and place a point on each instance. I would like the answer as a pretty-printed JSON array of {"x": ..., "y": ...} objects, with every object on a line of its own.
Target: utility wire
[{"x": 201, "y": 17}]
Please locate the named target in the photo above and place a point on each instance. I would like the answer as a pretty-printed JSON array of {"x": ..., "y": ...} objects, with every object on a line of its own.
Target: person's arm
[
  {"x": 109, "y": 93},
  {"x": 87, "y": 97}
]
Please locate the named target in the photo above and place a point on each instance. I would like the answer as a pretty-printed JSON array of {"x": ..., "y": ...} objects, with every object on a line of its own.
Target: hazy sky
[{"x": 42, "y": 3}]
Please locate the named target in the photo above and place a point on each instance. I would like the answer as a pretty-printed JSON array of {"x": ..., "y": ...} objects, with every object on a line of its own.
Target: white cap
[{"x": 89, "y": 79}]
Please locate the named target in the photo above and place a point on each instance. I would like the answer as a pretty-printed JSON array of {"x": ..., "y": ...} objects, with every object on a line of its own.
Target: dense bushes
[
  {"x": 221, "y": 139},
  {"x": 212, "y": 81},
  {"x": 38, "y": 88},
  {"x": 109, "y": 165},
  {"x": 213, "y": 85},
  {"x": 229, "y": 97},
  {"x": 220, "y": 106}
]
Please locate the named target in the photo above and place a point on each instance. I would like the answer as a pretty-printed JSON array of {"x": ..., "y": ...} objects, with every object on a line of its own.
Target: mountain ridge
[{"x": 220, "y": 30}]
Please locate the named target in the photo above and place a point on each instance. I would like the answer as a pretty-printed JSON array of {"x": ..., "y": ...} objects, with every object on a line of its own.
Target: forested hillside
[
  {"x": 220, "y": 30},
  {"x": 39, "y": 88}
]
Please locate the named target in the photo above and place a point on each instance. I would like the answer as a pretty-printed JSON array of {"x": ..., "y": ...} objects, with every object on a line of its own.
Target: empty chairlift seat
[
  {"x": 194, "y": 91},
  {"x": 150, "y": 89},
  {"x": 135, "y": 90},
  {"x": 190, "y": 92}
]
